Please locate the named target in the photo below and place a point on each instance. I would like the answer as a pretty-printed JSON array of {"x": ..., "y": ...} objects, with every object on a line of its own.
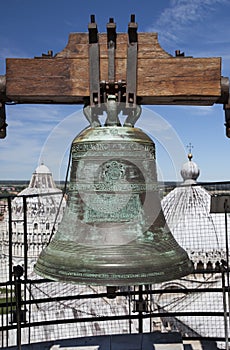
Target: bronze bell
[{"x": 113, "y": 231}]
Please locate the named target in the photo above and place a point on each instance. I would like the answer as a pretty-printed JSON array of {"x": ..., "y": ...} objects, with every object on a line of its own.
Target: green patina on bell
[{"x": 113, "y": 230}]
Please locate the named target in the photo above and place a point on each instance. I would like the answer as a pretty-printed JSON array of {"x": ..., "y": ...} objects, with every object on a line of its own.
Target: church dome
[
  {"x": 42, "y": 169},
  {"x": 41, "y": 181},
  {"x": 187, "y": 212},
  {"x": 44, "y": 208},
  {"x": 190, "y": 170}
]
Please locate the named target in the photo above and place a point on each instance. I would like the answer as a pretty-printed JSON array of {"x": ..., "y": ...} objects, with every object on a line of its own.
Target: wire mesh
[{"x": 196, "y": 305}]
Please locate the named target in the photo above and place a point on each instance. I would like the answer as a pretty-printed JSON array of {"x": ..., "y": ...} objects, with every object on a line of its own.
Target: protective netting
[{"x": 196, "y": 305}]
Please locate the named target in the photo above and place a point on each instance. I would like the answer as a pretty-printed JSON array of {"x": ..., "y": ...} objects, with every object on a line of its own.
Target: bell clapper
[{"x": 111, "y": 292}]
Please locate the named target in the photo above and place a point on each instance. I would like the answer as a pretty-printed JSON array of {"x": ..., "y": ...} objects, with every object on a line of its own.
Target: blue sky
[{"x": 36, "y": 133}]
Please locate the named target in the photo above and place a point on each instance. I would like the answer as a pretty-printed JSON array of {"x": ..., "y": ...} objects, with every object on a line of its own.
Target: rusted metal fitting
[
  {"x": 2, "y": 84},
  {"x": 225, "y": 88},
  {"x": 225, "y": 96}
]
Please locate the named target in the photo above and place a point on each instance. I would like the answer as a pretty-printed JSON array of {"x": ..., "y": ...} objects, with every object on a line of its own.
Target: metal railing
[{"x": 33, "y": 309}]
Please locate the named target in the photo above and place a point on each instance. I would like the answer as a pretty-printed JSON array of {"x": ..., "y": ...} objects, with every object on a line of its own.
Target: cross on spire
[{"x": 190, "y": 146}]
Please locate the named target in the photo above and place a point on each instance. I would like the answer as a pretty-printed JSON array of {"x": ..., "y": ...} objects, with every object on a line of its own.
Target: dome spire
[
  {"x": 190, "y": 170},
  {"x": 190, "y": 146}
]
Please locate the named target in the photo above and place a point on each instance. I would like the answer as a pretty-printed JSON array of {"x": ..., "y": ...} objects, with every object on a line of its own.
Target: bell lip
[{"x": 117, "y": 280}]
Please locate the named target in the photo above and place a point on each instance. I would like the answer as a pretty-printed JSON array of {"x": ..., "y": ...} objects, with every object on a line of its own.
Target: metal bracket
[
  {"x": 131, "y": 77},
  {"x": 112, "y": 93},
  {"x": 111, "y": 40},
  {"x": 94, "y": 63},
  {"x": 92, "y": 116},
  {"x": 117, "y": 88},
  {"x": 49, "y": 54},
  {"x": 100, "y": 90},
  {"x": 133, "y": 115},
  {"x": 3, "y": 123},
  {"x": 227, "y": 119},
  {"x": 227, "y": 110}
]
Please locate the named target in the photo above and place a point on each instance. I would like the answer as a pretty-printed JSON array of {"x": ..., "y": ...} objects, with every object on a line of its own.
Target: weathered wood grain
[
  {"x": 161, "y": 78},
  {"x": 148, "y": 46}
]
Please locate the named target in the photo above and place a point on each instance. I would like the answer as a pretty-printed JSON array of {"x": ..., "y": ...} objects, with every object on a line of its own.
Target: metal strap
[
  {"x": 111, "y": 40},
  {"x": 94, "y": 63},
  {"x": 227, "y": 108},
  {"x": 131, "y": 77},
  {"x": 3, "y": 124}
]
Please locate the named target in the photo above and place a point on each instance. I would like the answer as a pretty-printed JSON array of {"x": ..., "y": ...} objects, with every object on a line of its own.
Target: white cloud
[
  {"x": 28, "y": 129},
  {"x": 177, "y": 20}
]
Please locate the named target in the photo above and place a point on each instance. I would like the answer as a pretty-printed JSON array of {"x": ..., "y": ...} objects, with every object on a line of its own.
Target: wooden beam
[{"x": 161, "y": 78}]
